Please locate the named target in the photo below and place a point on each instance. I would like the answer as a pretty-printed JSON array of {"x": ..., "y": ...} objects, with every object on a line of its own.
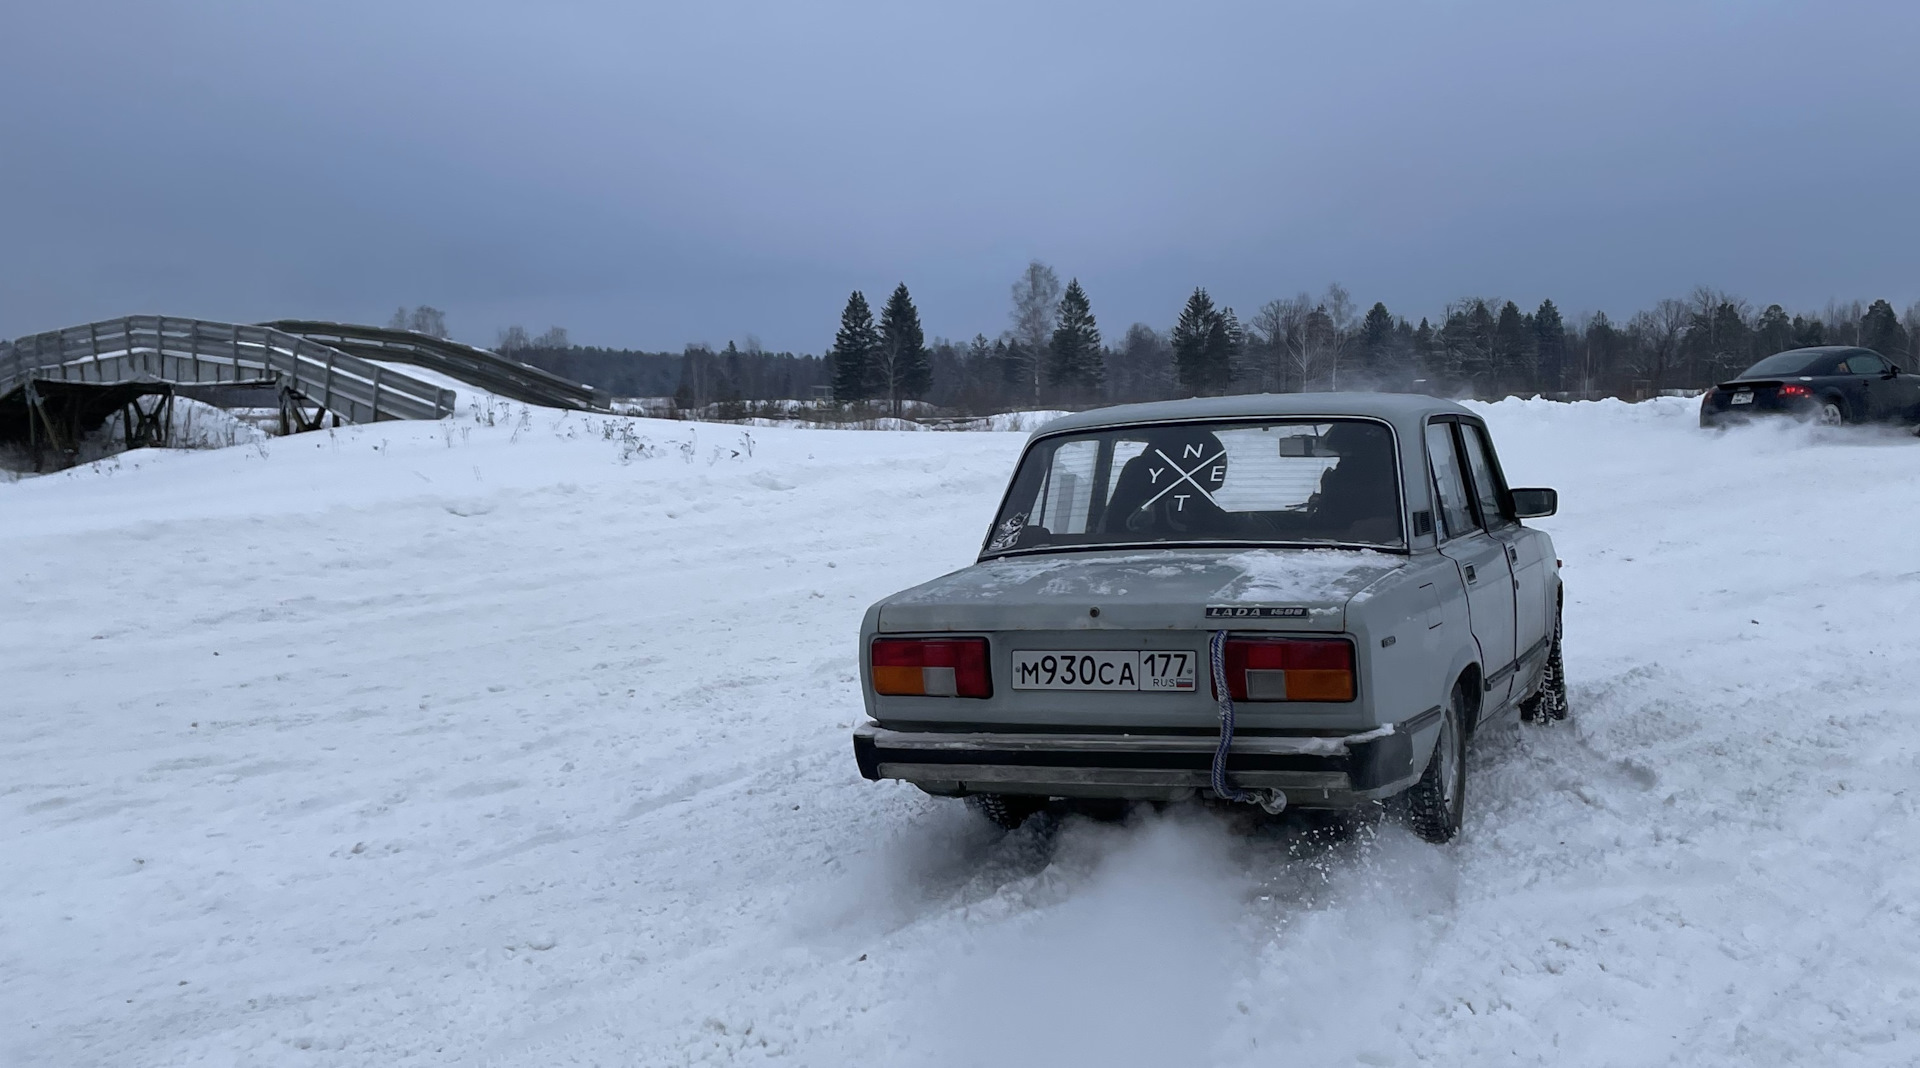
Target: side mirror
[
  {"x": 1891, "y": 372},
  {"x": 1535, "y": 503}
]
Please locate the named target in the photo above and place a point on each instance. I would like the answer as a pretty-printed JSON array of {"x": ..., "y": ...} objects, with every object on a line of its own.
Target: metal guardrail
[
  {"x": 488, "y": 370},
  {"x": 158, "y": 348}
]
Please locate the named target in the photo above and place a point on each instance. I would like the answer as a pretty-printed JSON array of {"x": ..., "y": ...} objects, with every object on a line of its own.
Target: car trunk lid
[{"x": 1165, "y": 589}]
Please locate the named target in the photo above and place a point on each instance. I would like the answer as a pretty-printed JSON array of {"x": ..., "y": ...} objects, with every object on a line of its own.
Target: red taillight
[
  {"x": 1791, "y": 390},
  {"x": 931, "y": 667},
  {"x": 1289, "y": 669}
]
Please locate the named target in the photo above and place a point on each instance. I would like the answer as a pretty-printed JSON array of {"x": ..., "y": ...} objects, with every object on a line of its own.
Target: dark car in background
[{"x": 1830, "y": 384}]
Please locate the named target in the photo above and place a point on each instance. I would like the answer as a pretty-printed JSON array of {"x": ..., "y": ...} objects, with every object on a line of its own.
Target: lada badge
[{"x": 1256, "y": 611}]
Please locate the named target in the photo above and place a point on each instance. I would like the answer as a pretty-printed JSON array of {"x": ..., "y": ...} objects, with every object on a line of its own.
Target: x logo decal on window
[{"x": 1186, "y": 475}]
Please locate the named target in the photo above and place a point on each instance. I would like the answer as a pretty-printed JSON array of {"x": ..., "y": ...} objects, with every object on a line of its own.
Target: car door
[
  {"x": 1481, "y": 558},
  {"x": 1907, "y": 385},
  {"x": 1874, "y": 397},
  {"x": 1526, "y": 551}
]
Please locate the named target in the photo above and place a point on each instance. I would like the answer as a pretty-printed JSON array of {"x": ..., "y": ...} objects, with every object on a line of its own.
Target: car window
[
  {"x": 1328, "y": 481},
  {"x": 1486, "y": 483},
  {"x": 1068, "y": 490},
  {"x": 1864, "y": 364},
  {"x": 1456, "y": 514},
  {"x": 1791, "y": 362}
]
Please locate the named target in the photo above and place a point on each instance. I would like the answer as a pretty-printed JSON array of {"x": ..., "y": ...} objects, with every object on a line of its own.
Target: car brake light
[
  {"x": 1791, "y": 390},
  {"x": 1289, "y": 669},
  {"x": 931, "y": 667}
]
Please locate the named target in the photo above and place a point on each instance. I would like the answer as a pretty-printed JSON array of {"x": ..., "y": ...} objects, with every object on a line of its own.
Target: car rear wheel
[
  {"x": 1006, "y": 810},
  {"x": 1832, "y": 412},
  {"x": 1551, "y": 702},
  {"x": 1434, "y": 807}
]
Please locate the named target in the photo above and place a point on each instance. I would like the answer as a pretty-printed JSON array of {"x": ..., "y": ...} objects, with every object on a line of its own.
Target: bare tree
[
  {"x": 511, "y": 340},
  {"x": 1305, "y": 337},
  {"x": 429, "y": 321},
  {"x": 554, "y": 338},
  {"x": 1911, "y": 320},
  {"x": 1268, "y": 330},
  {"x": 1720, "y": 331},
  {"x": 1660, "y": 331},
  {"x": 1342, "y": 318},
  {"x": 1298, "y": 343},
  {"x": 1036, "y": 297},
  {"x": 1843, "y": 321}
]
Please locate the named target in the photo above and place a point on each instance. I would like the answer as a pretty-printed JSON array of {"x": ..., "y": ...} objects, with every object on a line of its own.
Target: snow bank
[{"x": 524, "y": 741}]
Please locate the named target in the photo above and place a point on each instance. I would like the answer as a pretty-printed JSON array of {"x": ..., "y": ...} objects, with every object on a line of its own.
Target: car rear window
[
  {"x": 1791, "y": 362},
  {"x": 1296, "y": 482}
]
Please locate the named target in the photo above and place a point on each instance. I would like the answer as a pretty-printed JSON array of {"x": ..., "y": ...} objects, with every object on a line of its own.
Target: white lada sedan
[{"x": 1308, "y": 600}]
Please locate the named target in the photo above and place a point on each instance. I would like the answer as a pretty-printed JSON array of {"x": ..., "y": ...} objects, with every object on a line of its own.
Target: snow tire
[
  {"x": 1434, "y": 807},
  {"x": 1007, "y": 811},
  {"x": 1550, "y": 703}
]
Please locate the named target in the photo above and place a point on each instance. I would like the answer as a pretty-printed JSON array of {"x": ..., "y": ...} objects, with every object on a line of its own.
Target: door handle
[
  {"x": 1471, "y": 578},
  {"x": 1513, "y": 555}
]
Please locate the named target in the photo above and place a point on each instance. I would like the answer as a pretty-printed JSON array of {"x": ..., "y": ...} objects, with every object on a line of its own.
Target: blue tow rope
[{"x": 1216, "y": 650}]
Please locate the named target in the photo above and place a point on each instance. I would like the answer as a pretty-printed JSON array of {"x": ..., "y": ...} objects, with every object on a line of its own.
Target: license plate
[
  {"x": 1103, "y": 669},
  {"x": 1743, "y": 397}
]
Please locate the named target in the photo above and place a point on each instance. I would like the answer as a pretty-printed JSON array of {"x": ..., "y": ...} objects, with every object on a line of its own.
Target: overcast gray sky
[{"x": 653, "y": 174}]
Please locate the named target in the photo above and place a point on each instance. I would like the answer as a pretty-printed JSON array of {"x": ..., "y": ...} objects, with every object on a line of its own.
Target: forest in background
[{"x": 1052, "y": 353}]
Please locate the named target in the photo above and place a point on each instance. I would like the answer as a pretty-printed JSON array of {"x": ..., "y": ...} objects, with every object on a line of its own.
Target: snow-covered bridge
[{"x": 57, "y": 386}]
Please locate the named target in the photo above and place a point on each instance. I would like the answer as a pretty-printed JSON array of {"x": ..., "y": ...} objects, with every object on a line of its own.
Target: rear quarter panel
[{"x": 1413, "y": 637}]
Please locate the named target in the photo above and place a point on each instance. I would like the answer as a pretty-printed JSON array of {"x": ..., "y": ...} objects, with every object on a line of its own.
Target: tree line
[
  {"x": 695, "y": 377},
  {"x": 1052, "y": 352}
]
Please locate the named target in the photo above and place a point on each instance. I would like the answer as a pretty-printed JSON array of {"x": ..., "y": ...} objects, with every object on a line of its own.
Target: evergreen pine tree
[
  {"x": 1880, "y": 330},
  {"x": 1512, "y": 351},
  {"x": 1465, "y": 347},
  {"x": 1603, "y": 347},
  {"x": 1773, "y": 332},
  {"x": 853, "y": 352},
  {"x": 1550, "y": 346},
  {"x": 979, "y": 376},
  {"x": 1376, "y": 328},
  {"x": 1190, "y": 338},
  {"x": 902, "y": 367},
  {"x": 1808, "y": 332},
  {"x": 1396, "y": 367},
  {"x": 1075, "y": 364},
  {"x": 1225, "y": 344},
  {"x": 1014, "y": 361},
  {"x": 1376, "y": 341}
]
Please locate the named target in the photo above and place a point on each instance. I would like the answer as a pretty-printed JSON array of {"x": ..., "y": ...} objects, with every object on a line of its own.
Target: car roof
[
  {"x": 1829, "y": 350},
  {"x": 1407, "y": 411}
]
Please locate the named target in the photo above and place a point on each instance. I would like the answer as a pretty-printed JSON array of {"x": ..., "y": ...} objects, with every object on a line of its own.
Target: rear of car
[
  {"x": 1076, "y": 658},
  {"x": 1786, "y": 383},
  {"x": 1741, "y": 398},
  {"x": 1831, "y": 384}
]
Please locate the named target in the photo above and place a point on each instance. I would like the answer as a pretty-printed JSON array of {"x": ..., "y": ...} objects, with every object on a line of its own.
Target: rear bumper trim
[{"x": 1355, "y": 766}]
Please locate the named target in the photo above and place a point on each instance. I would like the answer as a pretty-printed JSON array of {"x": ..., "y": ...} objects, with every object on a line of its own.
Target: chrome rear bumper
[{"x": 1315, "y": 771}]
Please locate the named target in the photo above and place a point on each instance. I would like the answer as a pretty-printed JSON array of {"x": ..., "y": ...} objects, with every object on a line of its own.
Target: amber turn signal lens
[{"x": 1289, "y": 669}]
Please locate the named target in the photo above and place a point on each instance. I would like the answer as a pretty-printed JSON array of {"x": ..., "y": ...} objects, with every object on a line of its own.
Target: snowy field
[{"x": 527, "y": 744}]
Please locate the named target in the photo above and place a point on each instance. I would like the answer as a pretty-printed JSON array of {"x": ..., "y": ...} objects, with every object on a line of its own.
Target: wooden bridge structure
[{"x": 58, "y": 386}]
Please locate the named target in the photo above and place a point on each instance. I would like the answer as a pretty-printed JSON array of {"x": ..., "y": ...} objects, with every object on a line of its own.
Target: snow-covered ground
[{"x": 527, "y": 744}]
